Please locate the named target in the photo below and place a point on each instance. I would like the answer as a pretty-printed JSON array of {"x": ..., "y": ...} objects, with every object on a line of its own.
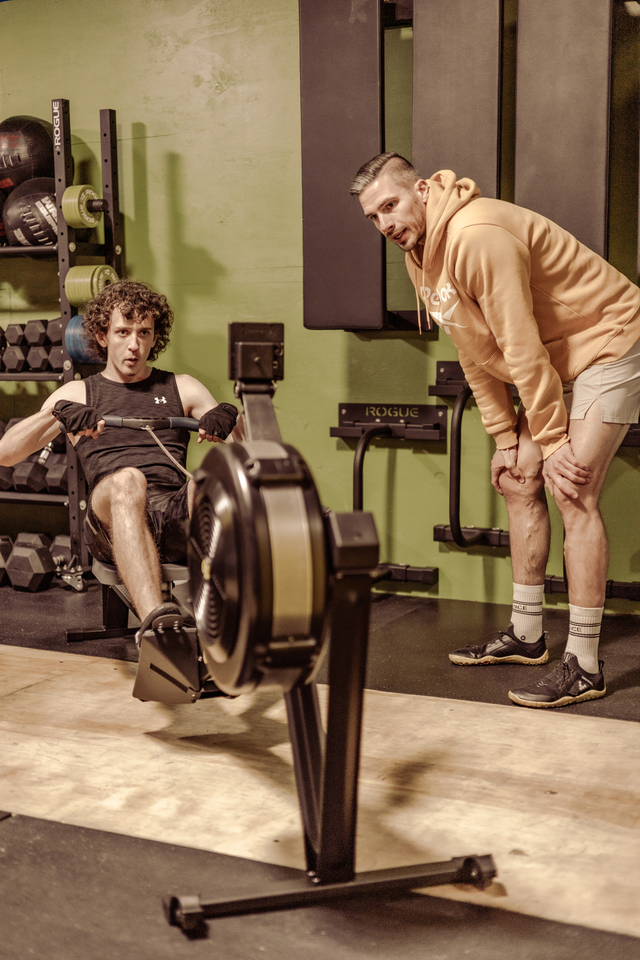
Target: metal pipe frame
[
  {"x": 358, "y": 461},
  {"x": 457, "y": 533}
]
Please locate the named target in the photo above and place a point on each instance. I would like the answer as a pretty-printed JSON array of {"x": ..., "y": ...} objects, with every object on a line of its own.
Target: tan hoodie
[{"x": 523, "y": 301}]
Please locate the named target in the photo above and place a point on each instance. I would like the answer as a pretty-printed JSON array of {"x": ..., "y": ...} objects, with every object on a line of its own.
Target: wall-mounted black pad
[
  {"x": 456, "y": 89},
  {"x": 562, "y": 115},
  {"x": 341, "y": 82}
]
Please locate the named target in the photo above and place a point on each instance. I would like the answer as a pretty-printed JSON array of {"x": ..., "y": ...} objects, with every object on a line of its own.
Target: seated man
[
  {"x": 525, "y": 303},
  {"x": 139, "y": 497}
]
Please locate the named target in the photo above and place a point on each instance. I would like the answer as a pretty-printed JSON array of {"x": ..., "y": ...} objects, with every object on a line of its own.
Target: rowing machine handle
[
  {"x": 156, "y": 423},
  {"x": 141, "y": 423}
]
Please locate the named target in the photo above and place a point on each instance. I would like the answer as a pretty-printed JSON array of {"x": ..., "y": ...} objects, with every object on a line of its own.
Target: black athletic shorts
[{"x": 168, "y": 519}]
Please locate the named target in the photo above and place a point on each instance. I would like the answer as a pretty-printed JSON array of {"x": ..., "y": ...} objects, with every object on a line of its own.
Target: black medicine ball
[
  {"x": 26, "y": 151},
  {"x": 29, "y": 215}
]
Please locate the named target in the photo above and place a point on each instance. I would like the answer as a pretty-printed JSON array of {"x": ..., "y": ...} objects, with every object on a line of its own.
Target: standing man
[
  {"x": 139, "y": 498},
  {"x": 525, "y": 303}
]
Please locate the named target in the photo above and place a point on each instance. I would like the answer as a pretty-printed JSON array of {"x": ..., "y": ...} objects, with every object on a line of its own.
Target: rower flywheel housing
[{"x": 257, "y": 560}]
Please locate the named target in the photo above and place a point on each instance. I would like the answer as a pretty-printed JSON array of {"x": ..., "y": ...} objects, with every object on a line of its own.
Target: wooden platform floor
[{"x": 553, "y": 796}]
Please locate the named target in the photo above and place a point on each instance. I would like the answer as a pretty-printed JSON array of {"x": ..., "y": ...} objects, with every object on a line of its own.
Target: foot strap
[{"x": 167, "y": 616}]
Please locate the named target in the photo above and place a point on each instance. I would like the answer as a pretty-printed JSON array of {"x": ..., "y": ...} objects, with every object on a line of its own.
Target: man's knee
[
  {"x": 530, "y": 466},
  {"x": 575, "y": 509},
  {"x": 128, "y": 485}
]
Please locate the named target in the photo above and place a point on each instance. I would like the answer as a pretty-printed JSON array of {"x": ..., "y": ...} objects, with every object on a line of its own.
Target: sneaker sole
[
  {"x": 562, "y": 702},
  {"x": 514, "y": 658}
]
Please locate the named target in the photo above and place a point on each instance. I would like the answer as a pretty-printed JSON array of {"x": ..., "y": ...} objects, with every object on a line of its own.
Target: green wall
[{"x": 208, "y": 118}]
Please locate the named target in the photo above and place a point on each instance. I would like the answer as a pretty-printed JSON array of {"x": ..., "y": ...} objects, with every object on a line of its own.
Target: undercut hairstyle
[
  {"x": 136, "y": 301},
  {"x": 404, "y": 173}
]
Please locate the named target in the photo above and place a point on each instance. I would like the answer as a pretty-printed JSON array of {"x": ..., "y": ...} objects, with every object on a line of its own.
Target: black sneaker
[
  {"x": 502, "y": 647},
  {"x": 567, "y": 683},
  {"x": 165, "y": 617}
]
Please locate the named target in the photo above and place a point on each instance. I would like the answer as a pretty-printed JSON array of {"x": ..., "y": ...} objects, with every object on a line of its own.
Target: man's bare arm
[
  {"x": 34, "y": 432},
  {"x": 197, "y": 400}
]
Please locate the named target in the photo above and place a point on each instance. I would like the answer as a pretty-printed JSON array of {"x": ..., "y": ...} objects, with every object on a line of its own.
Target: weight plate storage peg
[
  {"x": 84, "y": 283},
  {"x": 79, "y": 207}
]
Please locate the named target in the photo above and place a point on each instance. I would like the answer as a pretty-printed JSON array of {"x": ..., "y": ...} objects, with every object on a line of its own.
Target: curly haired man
[{"x": 139, "y": 501}]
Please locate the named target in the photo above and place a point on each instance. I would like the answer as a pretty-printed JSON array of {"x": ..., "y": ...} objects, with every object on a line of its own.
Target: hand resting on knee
[{"x": 562, "y": 471}]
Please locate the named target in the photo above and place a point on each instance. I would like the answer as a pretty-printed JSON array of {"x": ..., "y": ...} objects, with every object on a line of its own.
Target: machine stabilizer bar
[{"x": 189, "y": 912}]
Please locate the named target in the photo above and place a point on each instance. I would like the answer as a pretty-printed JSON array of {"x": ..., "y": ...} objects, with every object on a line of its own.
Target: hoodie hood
[{"x": 446, "y": 196}]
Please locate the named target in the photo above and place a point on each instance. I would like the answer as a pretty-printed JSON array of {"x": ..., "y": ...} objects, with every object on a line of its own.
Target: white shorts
[{"x": 616, "y": 385}]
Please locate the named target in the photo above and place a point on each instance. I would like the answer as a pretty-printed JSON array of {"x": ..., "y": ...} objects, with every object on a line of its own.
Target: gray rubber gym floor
[
  {"x": 409, "y": 642},
  {"x": 68, "y": 892}
]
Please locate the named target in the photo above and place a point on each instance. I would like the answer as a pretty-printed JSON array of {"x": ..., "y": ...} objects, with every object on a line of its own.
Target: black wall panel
[
  {"x": 341, "y": 77},
  {"x": 456, "y": 89},
  {"x": 562, "y": 114},
  {"x": 467, "y": 85}
]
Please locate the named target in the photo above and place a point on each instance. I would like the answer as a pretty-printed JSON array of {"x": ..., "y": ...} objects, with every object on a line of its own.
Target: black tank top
[{"x": 116, "y": 447}]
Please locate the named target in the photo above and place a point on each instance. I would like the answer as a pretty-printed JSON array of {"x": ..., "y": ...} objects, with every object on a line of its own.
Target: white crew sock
[
  {"x": 526, "y": 612},
  {"x": 584, "y": 635}
]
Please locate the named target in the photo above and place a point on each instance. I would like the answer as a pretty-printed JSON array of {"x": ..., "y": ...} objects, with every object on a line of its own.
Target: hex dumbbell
[
  {"x": 57, "y": 473},
  {"x": 30, "y": 565},
  {"x": 30, "y": 476},
  {"x": 6, "y": 473},
  {"x": 14, "y": 334},
  {"x": 6, "y": 546},
  {"x": 40, "y": 332},
  {"x": 14, "y": 358}
]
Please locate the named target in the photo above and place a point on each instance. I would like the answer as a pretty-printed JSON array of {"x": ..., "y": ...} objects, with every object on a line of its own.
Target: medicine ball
[
  {"x": 29, "y": 215},
  {"x": 26, "y": 151}
]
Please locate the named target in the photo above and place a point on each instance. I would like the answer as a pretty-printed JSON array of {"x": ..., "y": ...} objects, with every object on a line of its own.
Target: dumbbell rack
[{"x": 67, "y": 250}]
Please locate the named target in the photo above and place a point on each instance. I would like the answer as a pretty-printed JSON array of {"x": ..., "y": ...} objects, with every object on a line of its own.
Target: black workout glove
[
  {"x": 75, "y": 416},
  {"x": 220, "y": 421}
]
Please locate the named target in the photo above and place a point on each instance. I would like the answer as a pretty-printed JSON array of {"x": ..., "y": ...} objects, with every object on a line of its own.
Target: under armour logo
[{"x": 160, "y": 399}]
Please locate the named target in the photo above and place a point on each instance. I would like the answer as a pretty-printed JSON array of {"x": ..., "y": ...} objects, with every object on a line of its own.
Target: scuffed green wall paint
[{"x": 208, "y": 117}]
